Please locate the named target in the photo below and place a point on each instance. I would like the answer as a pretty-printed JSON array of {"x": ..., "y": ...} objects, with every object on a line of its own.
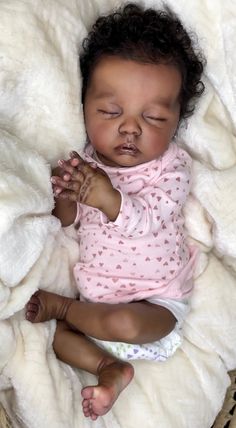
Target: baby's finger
[
  {"x": 88, "y": 169},
  {"x": 66, "y": 166},
  {"x": 72, "y": 171},
  {"x": 70, "y": 195},
  {"x": 58, "y": 184},
  {"x": 77, "y": 161},
  {"x": 66, "y": 176},
  {"x": 57, "y": 190},
  {"x": 74, "y": 162},
  {"x": 75, "y": 155},
  {"x": 56, "y": 180},
  {"x": 73, "y": 185}
]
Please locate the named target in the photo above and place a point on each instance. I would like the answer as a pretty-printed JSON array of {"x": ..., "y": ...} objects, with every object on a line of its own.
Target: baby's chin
[{"x": 124, "y": 160}]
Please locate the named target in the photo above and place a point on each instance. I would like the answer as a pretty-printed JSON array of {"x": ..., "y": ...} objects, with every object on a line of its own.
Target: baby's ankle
[{"x": 104, "y": 362}]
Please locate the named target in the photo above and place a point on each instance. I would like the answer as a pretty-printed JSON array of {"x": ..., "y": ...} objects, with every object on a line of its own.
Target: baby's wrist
[{"x": 112, "y": 203}]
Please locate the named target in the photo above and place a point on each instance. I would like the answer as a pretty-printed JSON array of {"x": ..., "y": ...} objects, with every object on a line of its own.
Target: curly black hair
[{"x": 148, "y": 36}]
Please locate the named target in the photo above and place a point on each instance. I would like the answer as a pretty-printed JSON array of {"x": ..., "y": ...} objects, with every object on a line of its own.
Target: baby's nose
[{"x": 130, "y": 125}]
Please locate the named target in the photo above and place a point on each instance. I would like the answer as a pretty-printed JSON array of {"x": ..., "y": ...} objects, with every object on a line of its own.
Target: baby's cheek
[
  {"x": 101, "y": 136},
  {"x": 158, "y": 145}
]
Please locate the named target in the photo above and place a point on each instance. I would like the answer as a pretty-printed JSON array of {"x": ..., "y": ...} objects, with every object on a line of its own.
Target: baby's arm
[
  {"x": 81, "y": 182},
  {"x": 158, "y": 202}
]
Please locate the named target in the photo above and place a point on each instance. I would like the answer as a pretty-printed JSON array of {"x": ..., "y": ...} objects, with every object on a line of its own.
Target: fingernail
[
  {"x": 56, "y": 192},
  {"x": 66, "y": 177},
  {"x": 53, "y": 180},
  {"x": 72, "y": 153}
]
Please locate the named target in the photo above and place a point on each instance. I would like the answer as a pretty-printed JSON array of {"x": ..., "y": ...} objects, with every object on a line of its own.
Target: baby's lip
[{"x": 129, "y": 148}]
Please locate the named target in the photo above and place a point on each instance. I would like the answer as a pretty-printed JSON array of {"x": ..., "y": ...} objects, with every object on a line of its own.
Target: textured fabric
[
  {"x": 144, "y": 251},
  {"x": 41, "y": 121},
  {"x": 159, "y": 350}
]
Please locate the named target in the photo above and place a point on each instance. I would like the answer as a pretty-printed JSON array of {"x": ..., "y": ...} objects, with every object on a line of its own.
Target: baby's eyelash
[
  {"x": 107, "y": 112},
  {"x": 160, "y": 119}
]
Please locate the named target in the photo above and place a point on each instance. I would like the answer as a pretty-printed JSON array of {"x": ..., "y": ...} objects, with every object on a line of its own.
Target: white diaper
[{"x": 156, "y": 351}]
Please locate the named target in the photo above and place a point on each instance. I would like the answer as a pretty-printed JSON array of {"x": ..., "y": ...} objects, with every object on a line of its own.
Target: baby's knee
[{"x": 122, "y": 325}]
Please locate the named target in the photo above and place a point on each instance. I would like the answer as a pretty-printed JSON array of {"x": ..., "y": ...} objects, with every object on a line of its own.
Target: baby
[{"x": 126, "y": 192}]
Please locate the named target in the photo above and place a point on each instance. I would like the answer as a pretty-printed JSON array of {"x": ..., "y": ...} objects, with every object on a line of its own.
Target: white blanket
[{"x": 40, "y": 121}]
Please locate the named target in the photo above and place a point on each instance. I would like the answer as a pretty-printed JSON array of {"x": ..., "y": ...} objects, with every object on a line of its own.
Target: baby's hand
[
  {"x": 84, "y": 182},
  {"x": 60, "y": 177}
]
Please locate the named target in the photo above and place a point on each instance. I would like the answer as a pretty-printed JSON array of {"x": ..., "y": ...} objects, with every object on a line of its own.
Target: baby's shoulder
[{"x": 175, "y": 158}]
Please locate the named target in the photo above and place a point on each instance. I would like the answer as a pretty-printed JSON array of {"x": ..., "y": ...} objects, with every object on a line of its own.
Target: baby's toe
[
  {"x": 34, "y": 300},
  {"x": 86, "y": 407},
  {"x": 30, "y": 316},
  {"x": 32, "y": 307}
]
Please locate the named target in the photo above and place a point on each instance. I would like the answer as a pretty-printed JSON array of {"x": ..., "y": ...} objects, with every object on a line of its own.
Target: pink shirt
[{"x": 144, "y": 252}]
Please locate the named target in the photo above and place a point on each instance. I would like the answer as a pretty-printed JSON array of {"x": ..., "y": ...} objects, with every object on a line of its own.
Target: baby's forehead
[
  {"x": 126, "y": 78},
  {"x": 116, "y": 68}
]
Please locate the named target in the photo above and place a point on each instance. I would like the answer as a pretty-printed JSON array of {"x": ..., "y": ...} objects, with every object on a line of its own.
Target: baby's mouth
[{"x": 128, "y": 149}]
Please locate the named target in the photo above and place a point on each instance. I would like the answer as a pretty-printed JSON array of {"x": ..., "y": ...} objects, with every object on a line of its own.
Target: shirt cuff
[{"x": 118, "y": 222}]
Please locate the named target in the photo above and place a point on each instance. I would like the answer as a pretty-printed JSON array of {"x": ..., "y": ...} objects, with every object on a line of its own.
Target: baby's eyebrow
[
  {"x": 105, "y": 94},
  {"x": 165, "y": 102}
]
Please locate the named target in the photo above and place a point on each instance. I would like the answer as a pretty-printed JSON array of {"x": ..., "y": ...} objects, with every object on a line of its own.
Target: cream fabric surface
[{"x": 40, "y": 121}]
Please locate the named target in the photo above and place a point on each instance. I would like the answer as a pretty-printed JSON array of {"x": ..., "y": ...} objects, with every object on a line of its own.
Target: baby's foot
[
  {"x": 44, "y": 306},
  {"x": 112, "y": 379}
]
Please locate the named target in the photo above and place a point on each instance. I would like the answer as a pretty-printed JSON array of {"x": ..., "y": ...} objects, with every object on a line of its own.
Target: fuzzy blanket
[{"x": 40, "y": 121}]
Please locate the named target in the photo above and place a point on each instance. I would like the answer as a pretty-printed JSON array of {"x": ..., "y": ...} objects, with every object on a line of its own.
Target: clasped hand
[{"x": 80, "y": 181}]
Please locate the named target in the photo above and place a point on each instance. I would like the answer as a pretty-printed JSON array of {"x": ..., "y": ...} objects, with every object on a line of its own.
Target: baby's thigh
[{"x": 159, "y": 350}]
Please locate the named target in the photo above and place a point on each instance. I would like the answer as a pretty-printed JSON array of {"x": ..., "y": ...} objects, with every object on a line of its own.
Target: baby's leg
[
  {"x": 137, "y": 322},
  {"x": 113, "y": 374}
]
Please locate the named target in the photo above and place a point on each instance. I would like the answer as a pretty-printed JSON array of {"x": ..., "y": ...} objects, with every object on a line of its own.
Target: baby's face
[{"x": 131, "y": 110}]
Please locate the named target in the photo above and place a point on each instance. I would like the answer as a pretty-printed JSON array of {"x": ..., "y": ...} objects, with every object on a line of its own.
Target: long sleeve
[
  {"x": 160, "y": 200},
  {"x": 144, "y": 252}
]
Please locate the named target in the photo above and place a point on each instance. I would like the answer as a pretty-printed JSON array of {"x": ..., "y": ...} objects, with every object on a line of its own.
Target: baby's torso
[{"x": 116, "y": 266}]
